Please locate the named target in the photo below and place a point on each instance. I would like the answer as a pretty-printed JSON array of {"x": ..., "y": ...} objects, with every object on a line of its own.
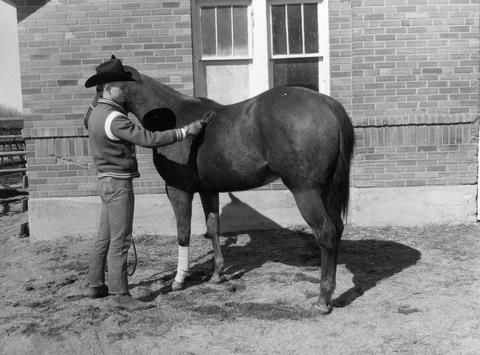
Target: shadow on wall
[
  {"x": 26, "y": 8},
  {"x": 238, "y": 216}
]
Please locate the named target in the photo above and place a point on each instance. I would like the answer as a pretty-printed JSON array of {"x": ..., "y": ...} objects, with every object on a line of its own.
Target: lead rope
[{"x": 135, "y": 262}]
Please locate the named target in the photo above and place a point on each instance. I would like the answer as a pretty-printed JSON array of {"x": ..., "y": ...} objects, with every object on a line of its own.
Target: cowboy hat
[{"x": 111, "y": 70}]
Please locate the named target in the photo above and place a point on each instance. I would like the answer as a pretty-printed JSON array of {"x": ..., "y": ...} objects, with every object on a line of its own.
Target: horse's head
[
  {"x": 153, "y": 103},
  {"x": 136, "y": 97},
  {"x": 156, "y": 105}
]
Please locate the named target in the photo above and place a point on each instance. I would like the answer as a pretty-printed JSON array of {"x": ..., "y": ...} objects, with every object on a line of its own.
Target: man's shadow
[{"x": 369, "y": 260}]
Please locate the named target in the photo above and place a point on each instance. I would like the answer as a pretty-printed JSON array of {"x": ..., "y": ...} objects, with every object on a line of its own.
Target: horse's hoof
[
  {"x": 323, "y": 308},
  {"x": 177, "y": 286},
  {"x": 216, "y": 279}
]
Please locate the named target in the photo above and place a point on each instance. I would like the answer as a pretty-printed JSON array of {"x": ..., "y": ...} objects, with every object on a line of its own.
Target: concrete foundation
[
  {"x": 52, "y": 218},
  {"x": 413, "y": 206}
]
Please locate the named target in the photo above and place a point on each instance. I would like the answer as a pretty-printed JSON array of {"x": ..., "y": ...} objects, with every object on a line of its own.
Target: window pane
[
  {"x": 227, "y": 83},
  {"x": 240, "y": 31},
  {"x": 296, "y": 72},
  {"x": 279, "y": 35},
  {"x": 224, "y": 23},
  {"x": 311, "y": 28},
  {"x": 207, "y": 18},
  {"x": 294, "y": 14}
]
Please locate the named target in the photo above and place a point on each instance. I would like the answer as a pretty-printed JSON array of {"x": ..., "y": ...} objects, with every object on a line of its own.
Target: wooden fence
[
  {"x": 13, "y": 162},
  {"x": 12, "y": 148}
]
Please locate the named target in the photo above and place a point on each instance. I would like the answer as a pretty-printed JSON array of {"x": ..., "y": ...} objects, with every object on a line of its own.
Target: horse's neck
[
  {"x": 176, "y": 101},
  {"x": 165, "y": 96},
  {"x": 170, "y": 97}
]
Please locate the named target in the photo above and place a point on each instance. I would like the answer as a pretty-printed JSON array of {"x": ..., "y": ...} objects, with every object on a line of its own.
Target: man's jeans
[{"x": 114, "y": 235}]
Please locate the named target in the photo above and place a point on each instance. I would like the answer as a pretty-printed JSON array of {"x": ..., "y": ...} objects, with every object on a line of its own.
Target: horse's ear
[{"x": 135, "y": 73}]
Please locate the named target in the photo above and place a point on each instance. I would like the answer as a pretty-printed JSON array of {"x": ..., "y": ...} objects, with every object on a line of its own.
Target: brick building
[{"x": 405, "y": 70}]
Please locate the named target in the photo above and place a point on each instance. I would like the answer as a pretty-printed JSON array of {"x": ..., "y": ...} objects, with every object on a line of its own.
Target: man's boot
[
  {"x": 97, "y": 292},
  {"x": 129, "y": 303}
]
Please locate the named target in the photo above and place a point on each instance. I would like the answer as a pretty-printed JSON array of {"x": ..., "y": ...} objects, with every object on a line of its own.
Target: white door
[{"x": 244, "y": 47}]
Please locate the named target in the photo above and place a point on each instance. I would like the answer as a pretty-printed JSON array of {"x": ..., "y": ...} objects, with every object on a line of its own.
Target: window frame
[
  {"x": 219, "y": 3},
  {"x": 273, "y": 56},
  {"x": 323, "y": 40},
  {"x": 260, "y": 62}
]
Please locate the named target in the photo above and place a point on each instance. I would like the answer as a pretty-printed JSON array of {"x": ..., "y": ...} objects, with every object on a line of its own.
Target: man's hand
[
  {"x": 208, "y": 117},
  {"x": 196, "y": 127}
]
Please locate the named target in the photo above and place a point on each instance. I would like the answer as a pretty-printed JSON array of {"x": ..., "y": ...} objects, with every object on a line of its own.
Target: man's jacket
[{"x": 113, "y": 137}]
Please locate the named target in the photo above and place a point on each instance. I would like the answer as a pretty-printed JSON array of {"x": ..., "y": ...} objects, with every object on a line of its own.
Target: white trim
[
  {"x": 478, "y": 181},
  {"x": 231, "y": 34},
  {"x": 258, "y": 81},
  {"x": 250, "y": 24},
  {"x": 288, "y": 56},
  {"x": 287, "y": 34},
  {"x": 216, "y": 30},
  {"x": 324, "y": 48},
  {"x": 302, "y": 16},
  {"x": 213, "y": 3},
  {"x": 108, "y": 125},
  {"x": 294, "y": 2},
  {"x": 212, "y": 58}
]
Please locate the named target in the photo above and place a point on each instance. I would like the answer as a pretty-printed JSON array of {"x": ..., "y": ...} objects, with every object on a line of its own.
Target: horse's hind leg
[
  {"x": 313, "y": 211},
  {"x": 210, "y": 202},
  {"x": 182, "y": 207}
]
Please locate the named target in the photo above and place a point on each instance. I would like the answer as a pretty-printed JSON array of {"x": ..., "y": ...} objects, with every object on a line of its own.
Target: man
[{"x": 112, "y": 139}]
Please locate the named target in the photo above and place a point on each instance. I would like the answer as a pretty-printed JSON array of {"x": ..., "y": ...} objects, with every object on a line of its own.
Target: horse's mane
[
  {"x": 156, "y": 83},
  {"x": 205, "y": 100}
]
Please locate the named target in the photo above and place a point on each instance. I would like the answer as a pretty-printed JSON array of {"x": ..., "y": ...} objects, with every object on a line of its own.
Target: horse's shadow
[{"x": 369, "y": 260}]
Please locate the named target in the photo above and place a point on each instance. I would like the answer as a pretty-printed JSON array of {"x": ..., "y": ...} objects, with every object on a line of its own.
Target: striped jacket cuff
[{"x": 181, "y": 134}]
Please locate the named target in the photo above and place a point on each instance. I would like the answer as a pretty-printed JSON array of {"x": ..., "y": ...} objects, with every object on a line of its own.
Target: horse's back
[
  {"x": 286, "y": 132},
  {"x": 303, "y": 128},
  {"x": 231, "y": 155}
]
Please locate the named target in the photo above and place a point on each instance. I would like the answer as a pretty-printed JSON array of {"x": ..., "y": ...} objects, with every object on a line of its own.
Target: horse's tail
[{"x": 339, "y": 191}]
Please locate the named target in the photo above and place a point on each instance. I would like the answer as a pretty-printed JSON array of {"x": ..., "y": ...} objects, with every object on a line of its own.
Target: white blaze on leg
[{"x": 183, "y": 264}]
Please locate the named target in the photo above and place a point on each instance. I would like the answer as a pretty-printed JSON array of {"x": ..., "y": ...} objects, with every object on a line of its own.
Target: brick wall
[
  {"x": 406, "y": 71},
  {"x": 416, "y": 155},
  {"x": 414, "y": 58},
  {"x": 61, "y": 43}
]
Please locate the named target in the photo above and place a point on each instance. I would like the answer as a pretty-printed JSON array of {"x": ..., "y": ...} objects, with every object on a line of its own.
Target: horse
[{"x": 303, "y": 137}]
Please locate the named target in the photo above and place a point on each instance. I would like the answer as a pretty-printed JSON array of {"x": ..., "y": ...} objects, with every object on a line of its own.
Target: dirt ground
[{"x": 405, "y": 290}]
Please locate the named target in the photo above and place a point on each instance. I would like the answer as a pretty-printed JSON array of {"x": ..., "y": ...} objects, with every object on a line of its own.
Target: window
[
  {"x": 242, "y": 48},
  {"x": 294, "y": 30},
  {"x": 295, "y": 43},
  {"x": 225, "y": 32}
]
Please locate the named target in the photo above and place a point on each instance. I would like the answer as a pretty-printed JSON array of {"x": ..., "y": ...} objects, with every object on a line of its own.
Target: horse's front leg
[
  {"x": 210, "y": 203},
  {"x": 182, "y": 207}
]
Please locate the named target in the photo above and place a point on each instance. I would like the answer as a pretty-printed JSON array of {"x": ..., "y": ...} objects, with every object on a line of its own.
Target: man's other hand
[{"x": 196, "y": 127}]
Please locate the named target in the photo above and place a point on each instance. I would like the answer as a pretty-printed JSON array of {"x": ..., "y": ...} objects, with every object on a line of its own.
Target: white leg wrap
[{"x": 183, "y": 264}]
